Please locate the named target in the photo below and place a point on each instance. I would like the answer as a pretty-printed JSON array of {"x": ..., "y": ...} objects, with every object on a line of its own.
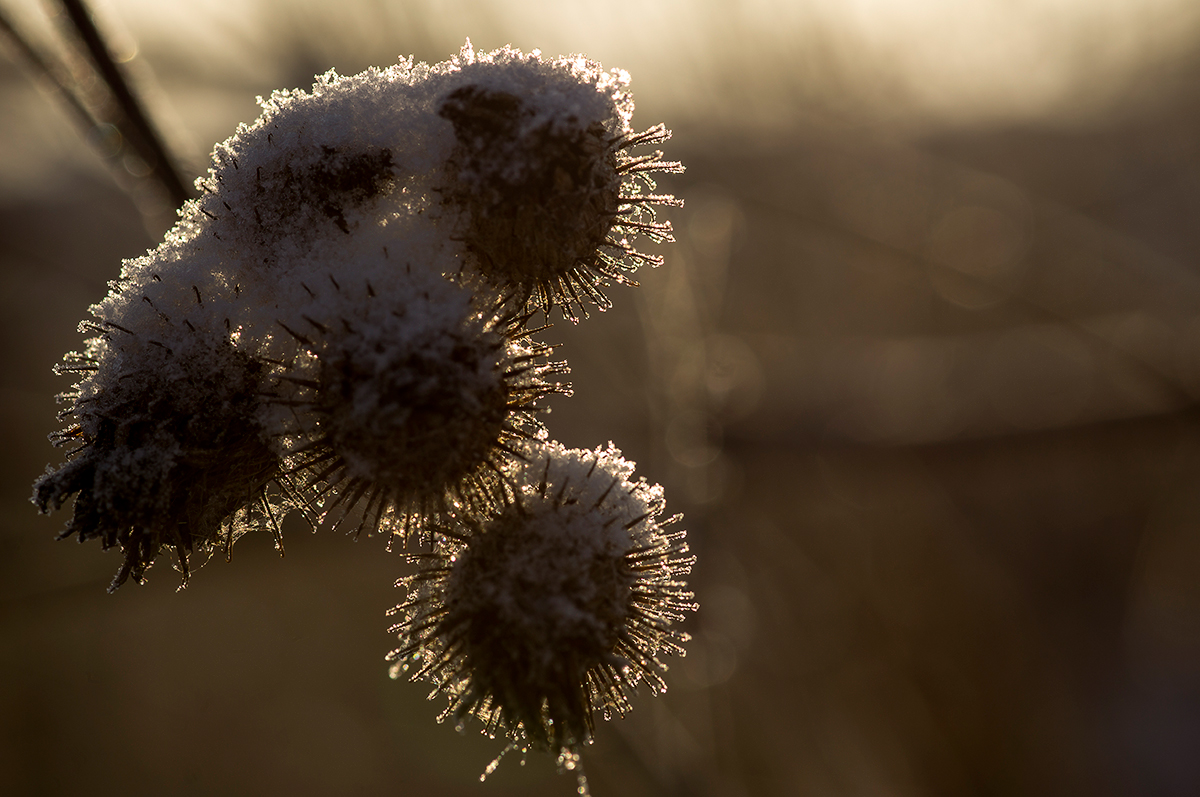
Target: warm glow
[{"x": 917, "y": 61}]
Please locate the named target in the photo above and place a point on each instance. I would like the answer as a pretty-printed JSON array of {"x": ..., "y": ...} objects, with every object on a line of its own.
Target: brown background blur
[{"x": 922, "y": 373}]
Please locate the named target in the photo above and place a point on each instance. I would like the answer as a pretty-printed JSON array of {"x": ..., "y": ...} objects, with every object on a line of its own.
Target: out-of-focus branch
[
  {"x": 138, "y": 128},
  {"x": 46, "y": 65}
]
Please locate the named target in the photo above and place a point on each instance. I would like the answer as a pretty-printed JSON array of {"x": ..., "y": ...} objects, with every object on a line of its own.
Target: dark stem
[
  {"x": 53, "y": 71},
  {"x": 146, "y": 136}
]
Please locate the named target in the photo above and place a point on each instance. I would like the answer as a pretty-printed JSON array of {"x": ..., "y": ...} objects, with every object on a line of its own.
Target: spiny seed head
[
  {"x": 557, "y": 606},
  {"x": 411, "y": 409},
  {"x": 405, "y": 411},
  {"x": 541, "y": 177},
  {"x": 540, "y": 201},
  {"x": 168, "y": 450}
]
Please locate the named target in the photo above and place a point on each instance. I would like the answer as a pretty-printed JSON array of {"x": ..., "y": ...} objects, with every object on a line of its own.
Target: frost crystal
[{"x": 555, "y": 607}]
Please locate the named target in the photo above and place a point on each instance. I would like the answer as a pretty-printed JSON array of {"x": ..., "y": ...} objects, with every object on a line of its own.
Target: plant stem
[
  {"x": 145, "y": 137},
  {"x": 54, "y": 72}
]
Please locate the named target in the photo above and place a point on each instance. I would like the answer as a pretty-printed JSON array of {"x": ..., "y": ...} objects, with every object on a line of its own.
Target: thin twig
[
  {"x": 154, "y": 151},
  {"x": 49, "y": 67}
]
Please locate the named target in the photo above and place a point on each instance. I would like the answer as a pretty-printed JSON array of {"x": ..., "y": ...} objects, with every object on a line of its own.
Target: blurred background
[{"x": 922, "y": 372}]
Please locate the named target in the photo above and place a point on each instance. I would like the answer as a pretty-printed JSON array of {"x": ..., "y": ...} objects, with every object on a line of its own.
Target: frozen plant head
[
  {"x": 525, "y": 162},
  {"x": 543, "y": 178},
  {"x": 341, "y": 323},
  {"x": 409, "y": 407},
  {"x": 168, "y": 452},
  {"x": 556, "y": 607}
]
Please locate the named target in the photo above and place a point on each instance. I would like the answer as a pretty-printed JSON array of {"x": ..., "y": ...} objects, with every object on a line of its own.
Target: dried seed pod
[
  {"x": 411, "y": 408},
  {"x": 169, "y": 455},
  {"x": 541, "y": 175},
  {"x": 556, "y": 607}
]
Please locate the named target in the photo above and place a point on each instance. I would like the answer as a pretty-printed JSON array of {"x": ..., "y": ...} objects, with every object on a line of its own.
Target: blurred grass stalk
[{"x": 101, "y": 100}]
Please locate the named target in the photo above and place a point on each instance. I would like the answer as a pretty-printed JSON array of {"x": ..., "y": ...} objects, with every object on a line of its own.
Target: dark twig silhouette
[{"x": 138, "y": 129}]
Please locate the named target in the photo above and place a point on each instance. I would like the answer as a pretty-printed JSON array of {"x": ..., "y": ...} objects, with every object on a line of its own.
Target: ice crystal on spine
[{"x": 556, "y": 607}]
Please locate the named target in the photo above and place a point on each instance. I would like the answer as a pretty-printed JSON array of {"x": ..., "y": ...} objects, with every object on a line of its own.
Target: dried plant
[
  {"x": 341, "y": 324},
  {"x": 555, "y": 606}
]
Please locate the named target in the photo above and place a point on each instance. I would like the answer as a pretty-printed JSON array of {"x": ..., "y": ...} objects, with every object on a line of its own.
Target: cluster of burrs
[{"x": 343, "y": 325}]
